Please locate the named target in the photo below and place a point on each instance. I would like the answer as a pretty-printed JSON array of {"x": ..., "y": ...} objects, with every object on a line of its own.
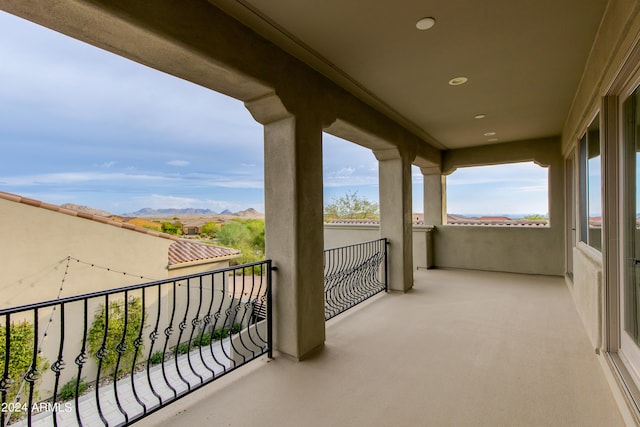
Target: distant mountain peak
[
  {"x": 170, "y": 211},
  {"x": 86, "y": 209}
]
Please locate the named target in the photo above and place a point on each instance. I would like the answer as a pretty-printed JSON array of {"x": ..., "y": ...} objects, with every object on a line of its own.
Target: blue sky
[{"x": 80, "y": 125}]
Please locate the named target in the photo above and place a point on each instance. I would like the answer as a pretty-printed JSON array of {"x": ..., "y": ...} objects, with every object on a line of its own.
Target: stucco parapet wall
[{"x": 368, "y": 223}]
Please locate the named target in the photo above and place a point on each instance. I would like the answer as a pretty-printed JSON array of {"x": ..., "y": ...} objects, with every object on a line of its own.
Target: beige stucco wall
[
  {"x": 337, "y": 235},
  {"x": 586, "y": 289},
  {"x": 35, "y": 247},
  {"x": 34, "y": 260},
  {"x": 536, "y": 250}
]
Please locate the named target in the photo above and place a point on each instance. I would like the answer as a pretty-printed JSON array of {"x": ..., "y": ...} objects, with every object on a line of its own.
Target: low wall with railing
[
  {"x": 352, "y": 274},
  {"x": 515, "y": 249},
  {"x": 112, "y": 357},
  {"x": 336, "y": 235}
]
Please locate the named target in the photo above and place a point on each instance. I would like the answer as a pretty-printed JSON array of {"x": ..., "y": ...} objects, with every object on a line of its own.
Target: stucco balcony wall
[{"x": 462, "y": 348}]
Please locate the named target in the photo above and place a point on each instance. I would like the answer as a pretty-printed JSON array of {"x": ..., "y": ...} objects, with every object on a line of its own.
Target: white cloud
[
  {"x": 178, "y": 163},
  {"x": 78, "y": 177}
]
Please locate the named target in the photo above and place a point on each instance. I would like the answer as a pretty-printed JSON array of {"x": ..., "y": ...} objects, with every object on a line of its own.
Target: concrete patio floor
[{"x": 463, "y": 348}]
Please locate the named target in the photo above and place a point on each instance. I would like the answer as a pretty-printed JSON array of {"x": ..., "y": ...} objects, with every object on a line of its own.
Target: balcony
[{"x": 461, "y": 348}]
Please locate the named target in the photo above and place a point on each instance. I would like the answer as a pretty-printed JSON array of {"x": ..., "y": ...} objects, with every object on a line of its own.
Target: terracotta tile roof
[
  {"x": 365, "y": 222},
  {"x": 187, "y": 251},
  {"x": 179, "y": 252},
  {"x": 355, "y": 221},
  {"x": 495, "y": 221}
]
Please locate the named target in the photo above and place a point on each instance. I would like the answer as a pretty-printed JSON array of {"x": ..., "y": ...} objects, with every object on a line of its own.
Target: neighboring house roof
[
  {"x": 364, "y": 222},
  {"x": 456, "y": 220},
  {"x": 494, "y": 218},
  {"x": 188, "y": 251},
  {"x": 497, "y": 222},
  {"x": 180, "y": 251},
  {"x": 355, "y": 221}
]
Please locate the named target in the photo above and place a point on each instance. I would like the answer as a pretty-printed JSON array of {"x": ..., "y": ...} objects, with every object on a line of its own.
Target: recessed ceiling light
[
  {"x": 425, "y": 23},
  {"x": 457, "y": 81},
  {"x": 489, "y": 134},
  {"x": 479, "y": 116}
]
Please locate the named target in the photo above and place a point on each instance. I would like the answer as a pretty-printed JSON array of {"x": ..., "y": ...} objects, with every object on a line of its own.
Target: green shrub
[
  {"x": 247, "y": 236},
  {"x": 115, "y": 331},
  {"x": 156, "y": 358},
  {"x": 169, "y": 228},
  {"x": 220, "y": 333},
  {"x": 183, "y": 348},
  {"x": 68, "y": 390},
  {"x": 210, "y": 229},
  {"x": 200, "y": 340},
  {"x": 20, "y": 358}
]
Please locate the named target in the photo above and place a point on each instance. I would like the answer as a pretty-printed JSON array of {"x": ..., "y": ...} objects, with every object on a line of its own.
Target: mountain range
[{"x": 150, "y": 212}]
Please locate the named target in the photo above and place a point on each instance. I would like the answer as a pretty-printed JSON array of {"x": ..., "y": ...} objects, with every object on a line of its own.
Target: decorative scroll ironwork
[
  {"x": 353, "y": 274},
  {"x": 125, "y": 367}
]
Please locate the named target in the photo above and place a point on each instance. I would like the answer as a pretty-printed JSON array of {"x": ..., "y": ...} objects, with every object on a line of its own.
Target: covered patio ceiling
[{"x": 523, "y": 60}]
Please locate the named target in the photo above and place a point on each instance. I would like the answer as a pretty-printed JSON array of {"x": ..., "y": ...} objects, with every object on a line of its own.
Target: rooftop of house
[
  {"x": 180, "y": 251},
  {"x": 455, "y": 220}
]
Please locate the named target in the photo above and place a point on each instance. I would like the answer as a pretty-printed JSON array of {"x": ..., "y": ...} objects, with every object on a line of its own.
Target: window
[
  {"x": 590, "y": 186},
  {"x": 515, "y": 194}
]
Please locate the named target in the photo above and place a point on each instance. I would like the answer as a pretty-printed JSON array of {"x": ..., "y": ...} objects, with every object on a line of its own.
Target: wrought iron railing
[
  {"x": 115, "y": 356},
  {"x": 353, "y": 274}
]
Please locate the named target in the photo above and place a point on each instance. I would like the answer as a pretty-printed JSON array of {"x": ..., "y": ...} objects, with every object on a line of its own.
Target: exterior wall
[
  {"x": 336, "y": 235},
  {"x": 185, "y": 269},
  {"x": 511, "y": 249},
  {"x": 587, "y": 290},
  {"x": 493, "y": 248},
  {"x": 346, "y": 234},
  {"x": 34, "y": 272}
]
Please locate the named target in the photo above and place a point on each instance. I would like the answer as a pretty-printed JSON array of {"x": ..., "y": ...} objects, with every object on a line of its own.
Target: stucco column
[
  {"x": 433, "y": 192},
  {"x": 294, "y": 226},
  {"x": 394, "y": 170}
]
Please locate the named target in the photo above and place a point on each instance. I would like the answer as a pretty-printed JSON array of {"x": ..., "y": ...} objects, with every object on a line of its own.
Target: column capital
[
  {"x": 393, "y": 153},
  {"x": 267, "y": 108},
  {"x": 431, "y": 170}
]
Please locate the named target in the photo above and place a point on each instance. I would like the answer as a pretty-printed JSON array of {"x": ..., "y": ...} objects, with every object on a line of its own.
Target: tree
[
  {"x": 169, "y": 228},
  {"x": 536, "y": 217},
  {"x": 246, "y": 235},
  {"x": 210, "y": 229},
  {"x": 351, "y": 206}
]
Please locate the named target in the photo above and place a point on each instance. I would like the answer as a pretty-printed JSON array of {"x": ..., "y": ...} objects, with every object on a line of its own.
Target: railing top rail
[
  {"x": 356, "y": 244},
  {"x": 74, "y": 298}
]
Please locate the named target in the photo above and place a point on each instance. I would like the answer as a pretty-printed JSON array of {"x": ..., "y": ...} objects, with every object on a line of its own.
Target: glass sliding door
[{"x": 630, "y": 304}]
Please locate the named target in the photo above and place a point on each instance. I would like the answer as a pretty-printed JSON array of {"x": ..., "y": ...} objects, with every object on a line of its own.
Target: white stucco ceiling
[{"x": 524, "y": 60}]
